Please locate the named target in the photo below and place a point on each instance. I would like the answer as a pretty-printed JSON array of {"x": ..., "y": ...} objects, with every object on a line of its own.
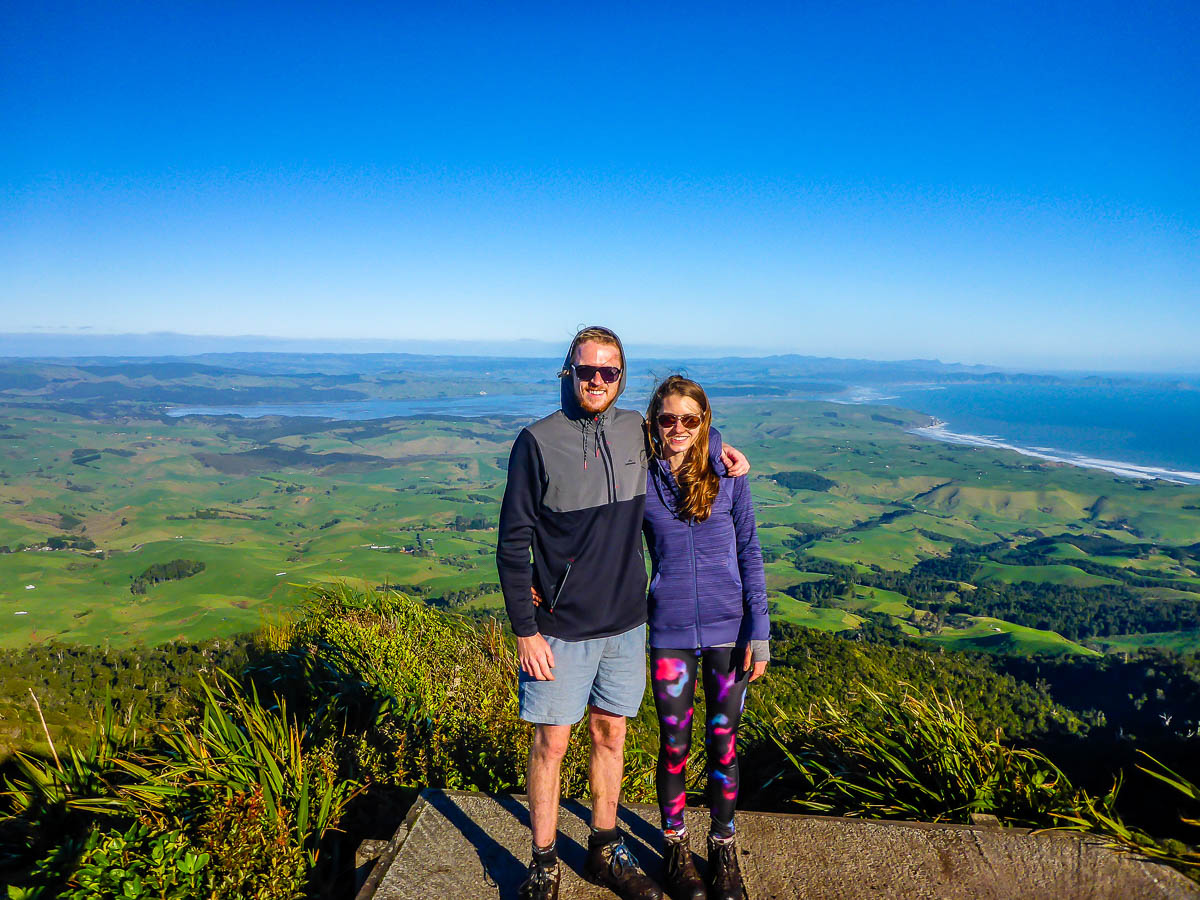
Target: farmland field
[{"x": 269, "y": 505}]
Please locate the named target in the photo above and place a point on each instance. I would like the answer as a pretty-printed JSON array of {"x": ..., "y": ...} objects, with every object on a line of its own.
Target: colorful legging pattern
[{"x": 673, "y": 677}]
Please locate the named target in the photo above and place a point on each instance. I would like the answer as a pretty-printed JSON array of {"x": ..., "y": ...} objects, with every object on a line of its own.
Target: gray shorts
[{"x": 608, "y": 673}]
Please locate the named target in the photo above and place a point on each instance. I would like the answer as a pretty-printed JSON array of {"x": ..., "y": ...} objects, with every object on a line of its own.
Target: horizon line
[{"x": 475, "y": 347}]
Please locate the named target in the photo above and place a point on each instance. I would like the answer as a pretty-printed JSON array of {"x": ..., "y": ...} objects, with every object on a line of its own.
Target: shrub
[
  {"x": 803, "y": 481},
  {"x": 432, "y": 693},
  {"x": 137, "y": 863},
  {"x": 1099, "y": 818},
  {"x": 252, "y": 850}
]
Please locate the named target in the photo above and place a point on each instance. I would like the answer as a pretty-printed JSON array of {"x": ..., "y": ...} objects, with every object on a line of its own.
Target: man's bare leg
[
  {"x": 609, "y": 861},
  {"x": 606, "y": 765},
  {"x": 543, "y": 780}
]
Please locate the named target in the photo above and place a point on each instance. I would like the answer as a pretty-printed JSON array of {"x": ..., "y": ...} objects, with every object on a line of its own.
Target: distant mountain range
[{"x": 172, "y": 356}]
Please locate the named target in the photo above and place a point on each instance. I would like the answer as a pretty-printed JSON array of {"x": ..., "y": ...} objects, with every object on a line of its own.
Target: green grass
[
  {"x": 870, "y": 599},
  {"x": 136, "y": 509},
  {"x": 783, "y": 574},
  {"x": 990, "y": 635},
  {"x": 824, "y": 619},
  {"x": 1179, "y": 641},
  {"x": 1052, "y": 574}
]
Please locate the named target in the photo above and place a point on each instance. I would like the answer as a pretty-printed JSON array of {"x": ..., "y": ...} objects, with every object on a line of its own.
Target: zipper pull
[{"x": 562, "y": 584}]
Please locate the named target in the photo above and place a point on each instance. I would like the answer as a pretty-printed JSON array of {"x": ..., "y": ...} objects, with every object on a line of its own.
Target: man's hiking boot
[
  {"x": 682, "y": 881},
  {"x": 541, "y": 883},
  {"x": 613, "y": 866},
  {"x": 724, "y": 876}
]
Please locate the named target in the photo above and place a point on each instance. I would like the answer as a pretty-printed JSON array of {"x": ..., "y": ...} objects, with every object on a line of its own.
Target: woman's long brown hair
[{"x": 697, "y": 480}]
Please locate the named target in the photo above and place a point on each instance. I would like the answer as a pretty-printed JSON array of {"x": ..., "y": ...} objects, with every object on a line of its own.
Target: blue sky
[{"x": 1008, "y": 183}]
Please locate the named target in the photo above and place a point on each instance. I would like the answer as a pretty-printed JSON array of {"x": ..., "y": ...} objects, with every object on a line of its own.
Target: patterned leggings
[{"x": 673, "y": 676}]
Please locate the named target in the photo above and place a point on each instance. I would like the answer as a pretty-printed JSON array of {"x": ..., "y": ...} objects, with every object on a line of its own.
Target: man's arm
[
  {"x": 736, "y": 463},
  {"x": 519, "y": 514},
  {"x": 733, "y": 461}
]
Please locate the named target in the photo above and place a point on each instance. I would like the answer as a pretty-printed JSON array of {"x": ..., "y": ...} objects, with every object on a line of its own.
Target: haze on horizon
[{"x": 1011, "y": 186}]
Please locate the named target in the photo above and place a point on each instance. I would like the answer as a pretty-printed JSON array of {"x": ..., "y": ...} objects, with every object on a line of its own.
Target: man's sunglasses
[
  {"x": 587, "y": 373},
  {"x": 668, "y": 420}
]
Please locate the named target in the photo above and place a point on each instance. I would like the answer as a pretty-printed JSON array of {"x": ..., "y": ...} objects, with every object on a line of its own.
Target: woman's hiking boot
[
  {"x": 541, "y": 882},
  {"x": 682, "y": 881},
  {"x": 724, "y": 875},
  {"x": 611, "y": 865}
]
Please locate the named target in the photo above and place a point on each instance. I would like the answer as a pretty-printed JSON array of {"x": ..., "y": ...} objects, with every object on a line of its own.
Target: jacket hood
[{"x": 567, "y": 398}]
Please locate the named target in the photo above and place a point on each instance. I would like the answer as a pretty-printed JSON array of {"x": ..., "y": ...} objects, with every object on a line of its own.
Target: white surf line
[
  {"x": 938, "y": 431},
  {"x": 859, "y": 396}
]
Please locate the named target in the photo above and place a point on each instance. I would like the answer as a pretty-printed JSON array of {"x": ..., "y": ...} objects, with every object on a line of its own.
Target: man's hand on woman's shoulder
[{"x": 735, "y": 462}]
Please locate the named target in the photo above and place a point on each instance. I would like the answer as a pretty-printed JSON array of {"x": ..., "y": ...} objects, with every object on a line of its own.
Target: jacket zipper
[
  {"x": 562, "y": 584},
  {"x": 606, "y": 455},
  {"x": 670, "y": 481},
  {"x": 695, "y": 581}
]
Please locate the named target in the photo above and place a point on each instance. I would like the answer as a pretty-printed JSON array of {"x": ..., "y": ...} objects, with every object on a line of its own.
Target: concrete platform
[{"x": 466, "y": 846}]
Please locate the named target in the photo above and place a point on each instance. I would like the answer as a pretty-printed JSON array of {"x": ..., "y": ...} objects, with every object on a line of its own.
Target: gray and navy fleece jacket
[{"x": 575, "y": 495}]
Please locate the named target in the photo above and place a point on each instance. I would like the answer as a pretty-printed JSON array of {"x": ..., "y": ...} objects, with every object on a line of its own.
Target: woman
[{"x": 708, "y": 612}]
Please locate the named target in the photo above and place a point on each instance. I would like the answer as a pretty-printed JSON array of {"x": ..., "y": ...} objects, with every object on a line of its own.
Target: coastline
[{"x": 938, "y": 430}]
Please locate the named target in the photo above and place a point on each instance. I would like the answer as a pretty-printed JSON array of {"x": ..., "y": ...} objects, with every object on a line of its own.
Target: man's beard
[{"x": 586, "y": 401}]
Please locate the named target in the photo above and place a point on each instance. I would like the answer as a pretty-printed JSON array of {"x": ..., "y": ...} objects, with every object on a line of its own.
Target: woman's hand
[{"x": 748, "y": 663}]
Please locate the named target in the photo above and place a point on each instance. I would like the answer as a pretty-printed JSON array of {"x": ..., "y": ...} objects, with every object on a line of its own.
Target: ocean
[{"x": 1138, "y": 431}]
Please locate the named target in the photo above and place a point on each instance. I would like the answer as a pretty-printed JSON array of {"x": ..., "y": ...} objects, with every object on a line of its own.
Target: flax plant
[
  {"x": 240, "y": 747},
  {"x": 905, "y": 757},
  {"x": 80, "y": 780},
  {"x": 1099, "y": 818}
]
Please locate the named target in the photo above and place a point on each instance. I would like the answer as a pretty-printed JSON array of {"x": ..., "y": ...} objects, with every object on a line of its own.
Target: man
[{"x": 575, "y": 496}]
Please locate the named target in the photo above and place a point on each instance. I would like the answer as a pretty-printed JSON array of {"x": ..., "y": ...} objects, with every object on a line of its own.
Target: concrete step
[{"x": 464, "y": 846}]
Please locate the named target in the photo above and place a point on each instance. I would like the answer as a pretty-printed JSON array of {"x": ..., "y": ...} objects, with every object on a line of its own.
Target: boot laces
[
  {"x": 726, "y": 856},
  {"x": 679, "y": 858},
  {"x": 541, "y": 876},
  {"x": 620, "y": 858}
]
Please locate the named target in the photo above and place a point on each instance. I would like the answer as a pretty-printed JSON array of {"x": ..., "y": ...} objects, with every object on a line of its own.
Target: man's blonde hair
[{"x": 597, "y": 334}]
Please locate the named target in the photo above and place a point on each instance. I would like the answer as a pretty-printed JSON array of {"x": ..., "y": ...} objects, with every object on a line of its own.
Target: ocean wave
[
  {"x": 859, "y": 396},
  {"x": 939, "y": 432}
]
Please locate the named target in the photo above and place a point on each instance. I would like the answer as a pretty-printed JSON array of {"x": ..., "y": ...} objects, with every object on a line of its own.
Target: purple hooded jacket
[{"x": 707, "y": 586}]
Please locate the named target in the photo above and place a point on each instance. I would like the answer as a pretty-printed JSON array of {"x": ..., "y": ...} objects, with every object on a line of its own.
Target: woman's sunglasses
[
  {"x": 587, "y": 373},
  {"x": 668, "y": 420}
]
